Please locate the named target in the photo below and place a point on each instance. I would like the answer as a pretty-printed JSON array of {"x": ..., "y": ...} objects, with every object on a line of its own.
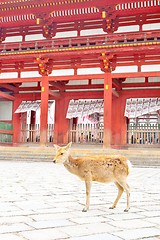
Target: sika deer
[{"x": 99, "y": 168}]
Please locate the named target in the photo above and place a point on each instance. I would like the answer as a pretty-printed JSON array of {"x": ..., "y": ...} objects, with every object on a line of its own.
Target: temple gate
[{"x": 63, "y": 50}]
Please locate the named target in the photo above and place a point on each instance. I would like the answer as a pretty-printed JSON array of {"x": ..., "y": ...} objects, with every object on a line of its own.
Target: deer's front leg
[{"x": 88, "y": 184}]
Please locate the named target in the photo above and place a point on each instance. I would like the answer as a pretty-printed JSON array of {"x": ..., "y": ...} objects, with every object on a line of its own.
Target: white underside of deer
[{"x": 99, "y": 168}]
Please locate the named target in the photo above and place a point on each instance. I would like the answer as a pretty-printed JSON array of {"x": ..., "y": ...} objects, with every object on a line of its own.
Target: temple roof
[{"x": 26, "y": 12}]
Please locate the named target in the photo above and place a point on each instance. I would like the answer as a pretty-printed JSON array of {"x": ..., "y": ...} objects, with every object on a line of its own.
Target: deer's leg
[
  {"x": 120, "y": 192},
  {"x": 126, "y": 187},
  {"x": 88, "y": 184}
]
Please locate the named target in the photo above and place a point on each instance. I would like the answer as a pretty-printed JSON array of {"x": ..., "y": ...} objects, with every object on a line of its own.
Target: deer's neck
[{"x": 71, "y": 165}]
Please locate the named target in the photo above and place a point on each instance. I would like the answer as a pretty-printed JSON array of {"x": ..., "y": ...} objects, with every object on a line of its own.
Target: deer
[{"x": 98, "y": 168}]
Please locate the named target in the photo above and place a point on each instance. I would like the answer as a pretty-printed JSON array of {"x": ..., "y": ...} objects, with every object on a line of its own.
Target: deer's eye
[{"x": 61, "y": 154}]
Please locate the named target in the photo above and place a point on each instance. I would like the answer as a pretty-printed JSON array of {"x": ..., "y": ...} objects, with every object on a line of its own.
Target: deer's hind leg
[
  {"x": 88, "y": 184},
  {"x": 120, "y": 192},
  {"x": 126, "y": 187}
]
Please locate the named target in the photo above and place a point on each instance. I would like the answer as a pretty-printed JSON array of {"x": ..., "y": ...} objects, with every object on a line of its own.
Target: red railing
[{"x": 97, "y": 40}]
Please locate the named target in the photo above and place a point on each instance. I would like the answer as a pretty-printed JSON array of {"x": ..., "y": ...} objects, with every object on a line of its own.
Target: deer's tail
[{"x": 129, "y": 166}]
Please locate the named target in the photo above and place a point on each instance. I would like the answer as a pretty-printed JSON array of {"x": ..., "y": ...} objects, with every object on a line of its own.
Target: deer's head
[{"x": 62, "y": 153}]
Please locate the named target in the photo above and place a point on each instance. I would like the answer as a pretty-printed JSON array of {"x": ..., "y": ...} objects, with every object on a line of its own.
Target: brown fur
[{"x": 99, "y": 168}]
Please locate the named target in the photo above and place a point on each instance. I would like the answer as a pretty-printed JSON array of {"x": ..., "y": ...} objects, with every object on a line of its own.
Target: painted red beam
[
  {"x": 72, "y": 42},
  {"x": 20, "y": 80},
  {"x": 96, "y": 95},
  {"x": 85, "y": 61},
  {"x": 68, "y": 12},
  {"x": 52, "y": 78},
  {"x": 78, "y": 17},
  {"x": 128, "y": 49},
  {"x": 135, "y": 74},
  {"x": 28, "y": 89},
  {"x": 83, "y": 39},
  {"x": 87, "y": 66},
  {"x": 49, "y": 7},
  {"x": 86, "y": 95},
  {"x": 115, "y": 93},
  {"x": 72, "y": 26},
  {"x": 87, "y": 86},
  {"x": 4, "y": 131},
  {"x": 57, "y": 85},
  {"x": 141, "y": 93},
  {"x": 95, "y": 86},
  {"x": 139, "y": 85},
  {"x": 7, "y": 96},
  {"x": 82, "y": 77},
  {"x": 116, "y": 84},
  {"x": 38, "y": 89},
  {"x": 137, "y": 10},
  {"x": 55, "y": 95},
  {"x": 10, "y": 87}
]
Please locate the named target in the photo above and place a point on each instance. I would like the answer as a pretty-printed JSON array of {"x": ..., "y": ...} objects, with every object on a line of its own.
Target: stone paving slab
[{"x": 43, "y": 201}]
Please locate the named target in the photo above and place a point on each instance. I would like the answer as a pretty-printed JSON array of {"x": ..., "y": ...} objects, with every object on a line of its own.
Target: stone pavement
[{"x": 43, "y": 201}]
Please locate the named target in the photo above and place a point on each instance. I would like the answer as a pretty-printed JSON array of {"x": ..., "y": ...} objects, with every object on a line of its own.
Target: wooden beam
[
  {"x": 53, "y": 78},
  {"x": 58, "y": 85},
  {"x": 83, "y": 86},
  {"x": 141, "y": 93},
  {"x": 115, "y": 93},
  {"x": 56, "y": 54},
  {"x": 10, "y": 87},
  {"x": 4, "y": 131},
  {"x": 55, "y": 95},
  {"x": 27, "y": 8},
  {"x": 139, "y": 85},
  {"x": 7, "y": 96},
  {"x": 29, "y": 89},
  {"x": 116, "y": 84},
  {"x": 20, "y": 80},
  {"x": 135, "y": 74},
  {"x": 94, "y": 86},
  {"x": 82, "y": 77}
]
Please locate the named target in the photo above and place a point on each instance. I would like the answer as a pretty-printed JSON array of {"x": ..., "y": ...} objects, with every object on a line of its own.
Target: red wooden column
[
  {"x": 123, "y": 120},
  {"x": 107, "y": 109},
  {"x": 116, "y": 125},
  {"x": 119, "y": 124},
  {"x": 44, "y": 110},
  {"x": 61, "y": 126},
  {"x": 16, "y": 121}
]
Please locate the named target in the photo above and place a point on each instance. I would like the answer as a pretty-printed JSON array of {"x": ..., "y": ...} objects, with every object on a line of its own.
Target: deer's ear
[
  {"x": 56, "y": 146},
  {"x": 68, "y": 145}
]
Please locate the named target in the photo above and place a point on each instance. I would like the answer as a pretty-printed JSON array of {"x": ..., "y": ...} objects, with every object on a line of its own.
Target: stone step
[{"x": 138, "y": 157}]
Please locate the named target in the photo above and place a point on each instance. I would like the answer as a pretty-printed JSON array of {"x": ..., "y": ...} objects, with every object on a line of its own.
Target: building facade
[{"x": 75, "y": 50}]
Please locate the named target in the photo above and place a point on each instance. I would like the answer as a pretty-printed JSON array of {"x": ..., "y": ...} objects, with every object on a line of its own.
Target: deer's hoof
[
  {"x": 111, "y": 207},
  {"x": 84, "y": 210},
  {"x": 126, "y": 210}
]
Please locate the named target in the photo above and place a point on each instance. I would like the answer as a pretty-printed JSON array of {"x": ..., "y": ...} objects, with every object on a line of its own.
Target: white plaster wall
[{"x": 5, "y": 110}]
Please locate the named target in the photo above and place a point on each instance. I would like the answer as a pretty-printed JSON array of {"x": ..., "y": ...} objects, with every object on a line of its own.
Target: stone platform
[
  {"x": 143, "y": 157},
  {"x": 43, "y": 201}
]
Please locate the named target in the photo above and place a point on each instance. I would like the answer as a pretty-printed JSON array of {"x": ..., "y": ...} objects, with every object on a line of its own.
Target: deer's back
[{"x": 102, "y": 168}]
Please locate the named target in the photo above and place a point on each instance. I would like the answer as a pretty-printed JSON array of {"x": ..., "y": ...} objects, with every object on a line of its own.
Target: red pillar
[
  {"x": 16, "y": 121},
  {"x": 107, "y": 110},
  {"x": 116, "y": 125},
  {"x": 119, "y": 125},
  {"x": 123, "y": 122},
  {"x": 44, "y": 111},
  {"x": 61, "y": 126}
]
